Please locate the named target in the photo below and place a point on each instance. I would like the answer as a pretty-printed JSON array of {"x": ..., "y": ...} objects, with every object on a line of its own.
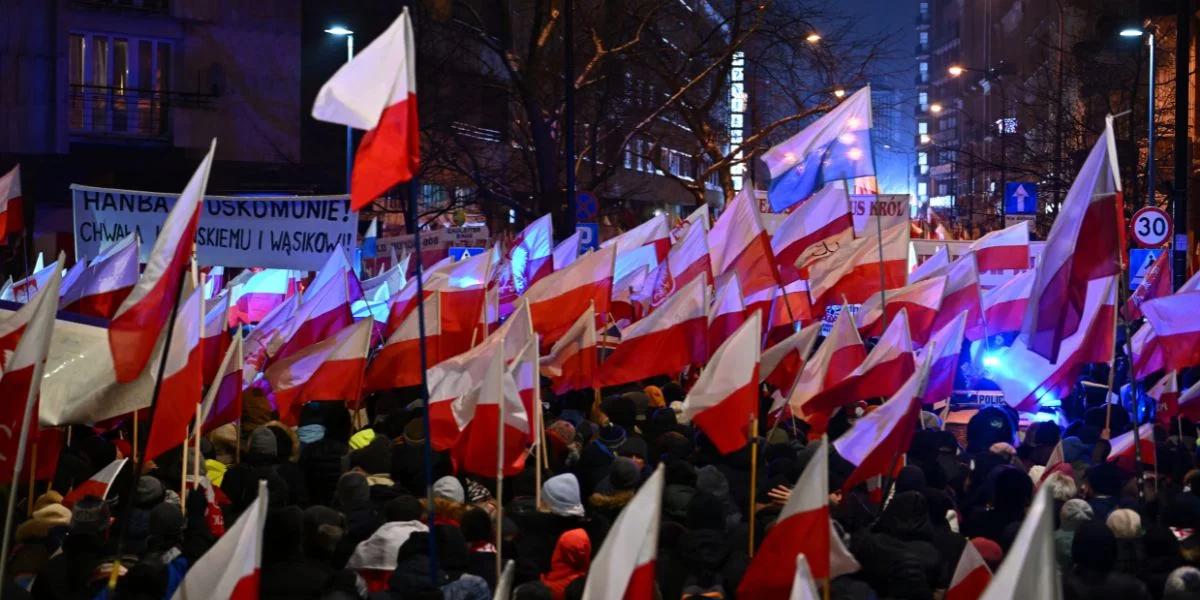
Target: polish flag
[
  {"x": 624, "y": 566},
  {"x": 803, "y": 528},
  {"x": 814, "y": 230},
  {"x": 624, "y": 307},
  {"x": 700, "y": 215},
  {"x": 782, "y": 362},
  {"x": 141, "y": 317},
  {"x": 655, "y": 232},
  {"x": 689, "y": 257},
  {"x": 23, "y": 290},
  {"x": 1165, "y": 394},
  {"x": 97, "y": 485},
  {"x": 460, "y": 312},
  {"x": 531, "y": 256},
  {"x": 726, "y": 314},
  {"x": 566, "y": 252},
  {"x": 835, "y": 359},
  {"x": 261, "y": 293},
  {"x": 724, "y": 400},
  {"x": 1149, "y": 355},
  {"x": 1176, "y": 328},
  {"x": 524, "y": 371},
  {"x": 971, "y": 576},
  {"x": 215, "y": 337},
  {"x": 493, "y": 423},
  {"x": 935, "y": 265},
  {"x": 663, "y": 343},
  {"x": 740, "y": 244},
  {"x": 946, "y": 346},
  {"x": 12, "y": 214},
  {"x": 1156, "y": 283},
  {"x": 104, "y": 283},
  {"x": 229, "y": 570},
  {"x": 261, "y": 338},
  {"x": 789, "y": 309},
  {"x": 874, "y": 441},
  {"x": 377, "y": 91},
  {"x": 1003, "y": 250},
  {"x": 183, "y": 378},
  {"x": 336, "y": 267},
  {"x": 1086, "y": 243},
  {"x": 1189, "y": 401},
  {"x": 1026, "y": 377},
  {"x": 331, "y": 369},
  {"x": 1122, "y": 450},
  {"x": 223, "y": 401},
  {"x": 398, "y": 363},
  {"x": 214, "y": 281},
  {"x": 962, "y": 294},
  {"x": 1004, "y": 306},
  {"x": 405, "y": 301},
  {"x": 921, "y": 301},
  {"x": 853, "y": 272},
  {"x": 321, "y": 315},
  {"x": 889, "y": 364},
  {"x": 1029, "y": 569},
  {"x": 658, "y": 286},
  {"x": 556, "y": 297},
  {"x": 803, "y": 586},
  {"x": 573, "y": 360}
]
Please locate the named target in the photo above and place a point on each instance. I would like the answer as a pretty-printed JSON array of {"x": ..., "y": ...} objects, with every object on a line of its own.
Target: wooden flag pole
[
  {"x": 753, "y": 479},
  {"x": 134, "y": 445},
  {"x": 32, "y": 479},
  {"x": 196, "y": 459},
  {"x": 500, "y": 487},
  {"x": 183, "y": 469}
]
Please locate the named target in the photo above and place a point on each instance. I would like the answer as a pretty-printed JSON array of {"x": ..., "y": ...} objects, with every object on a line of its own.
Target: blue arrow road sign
[{"x": 1020, "y": 198}]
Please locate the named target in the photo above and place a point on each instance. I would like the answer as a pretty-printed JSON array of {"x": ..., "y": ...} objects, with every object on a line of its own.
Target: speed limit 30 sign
[{"x": 1151, "y": 227}]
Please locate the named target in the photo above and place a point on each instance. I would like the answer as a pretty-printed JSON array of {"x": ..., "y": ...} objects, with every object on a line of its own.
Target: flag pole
[
  {"x": 753, "y": 478},
  {"x": 32, "y": 480},
  {"x": 134, "y": 445},
  {"x": 183, "y": 470},
  {"x": 500, "y": 485},
  {"x": 882, "y": 278},
  {"x": 196, "y": 448},
  {"x": 414, "y": 190}
]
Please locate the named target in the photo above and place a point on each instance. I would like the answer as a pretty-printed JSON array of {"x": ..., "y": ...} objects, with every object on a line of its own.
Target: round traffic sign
[
  {"x": 1151, "y": 226},
  {"x": 586, "y": 206}
]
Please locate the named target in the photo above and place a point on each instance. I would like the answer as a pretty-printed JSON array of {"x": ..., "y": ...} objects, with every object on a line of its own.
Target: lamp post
[
  {"x": 340, "y": 31},
  {"x": 994, "y": 74},
  {"x": 1132, "y": 32}
]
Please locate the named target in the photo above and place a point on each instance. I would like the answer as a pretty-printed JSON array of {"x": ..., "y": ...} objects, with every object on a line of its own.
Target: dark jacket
[{"x": 322, "y": 465}]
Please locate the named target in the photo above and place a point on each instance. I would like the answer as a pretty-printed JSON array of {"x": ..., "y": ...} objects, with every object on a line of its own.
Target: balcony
[{"x": 126, "y": 112}]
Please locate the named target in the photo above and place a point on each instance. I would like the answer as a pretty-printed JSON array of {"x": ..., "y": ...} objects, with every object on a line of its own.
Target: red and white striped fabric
[
  {"x": 1003, "y": 250},
  {"x": 398, "y": 363},
  {"x": 1026, "y": 377},
  {"x": 852, "y": 274},
  {"x": 460, "y": 313},
  {"x": 727, "y": 312},
  {"x": 377, "y": 91},
  {"x": 889, "y": 364},
  {"x": 566, "y": 251},
  {"x": 23, "y": 290},
  {"x": 97, "y": 485},
  {"x": 320, "y": 315},
  {"x": 215, "y": 337},
  {"x": 655, "y": 232},
  {"x": 663, "y": 343},
  {"x": 933, "y": 266},
  {"x": 183, "y": 378},
  {"x": 1004, "y": 306},
  {"x": 724, "y": 400},
  {"x": 1165, "y": 393},
  {"x": 261, "y": 293},
  {"x": 493, "y": 424},
  {"x": 816, "y": 225},
  {"x": 625, "y": 308},
  {"x": 1123, "y": 447},
  {"x": 337, "y": 267},
  {"x": 962, "y": 294},
  {"x": 573, "y": 360},
  {"x": 1029, "y": 569},
  {"x": 1189, "y": 402},
  {"x": 658, "y": 286},
  {"x": 946, "y": 345},
  {"x": 874, "y": 441},
  {"x": 624, "y": 566},
  {"x": 223, "y": 401},
  {"x": 1149, "y": 356},
  {"x": 782, "y": 362},
  {"x": 921, "y": 301},
  {"x": 803, "y": 585},
  {"x": 331, "y": 369},
  {"x": 259, "y": 340},
  {"x": 12, "y": 213},
  {"x": 740, "y": 244},
  {"x": 689, "y": 257},
  {"x": 803, "y": 528},
  {"x": 971, "y": 576},
  {"x": 104, "y": 283},
  {"x": 405, "y": 301},
  {"x": 790, "y": 308},
  {"x": 1176, "y": 328},
  {"x": 555, "y": 298},
  {"x": 524, "y": 371},
  {"x": 1156, "y": 283},
  {"x": 531, "y": 256},
  {"x": 230, "y": 568},
  {"x": 139, "y": 320},
  {"x": 835, "y": 359},
  {"x": 1086, "y": 242}
]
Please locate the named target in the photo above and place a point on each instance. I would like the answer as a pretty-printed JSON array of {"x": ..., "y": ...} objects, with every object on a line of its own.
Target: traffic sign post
[
  {"x": 586, "y": 207},
  {"x": 1020, "y": 198},
  {"x": 589, "y": 236},
  {"x": 1140, "y": 261},
  {"x": 458, "y": 253},
  {"x": 1151, "y": 227}
]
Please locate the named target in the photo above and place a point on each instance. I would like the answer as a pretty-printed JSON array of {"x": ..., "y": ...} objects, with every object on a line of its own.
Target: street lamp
[
  {"x": 813, "y": 38},
  {"x": 839, "y": 93},
  {"x": 1133, "y": 32},
  {"x": 989, "y": 75},
  {"x": 340, "y": 31},
  {"x": 955, "y": 70},
  {"x": 935, "y": 108}
]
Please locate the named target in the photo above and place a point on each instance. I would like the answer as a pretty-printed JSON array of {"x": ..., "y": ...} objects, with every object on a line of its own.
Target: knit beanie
[
  {"x": 561, "y": 495},
  {"x": 262, "y": 442},
  {"x": 1125, "y": 524},
  {"x": 352, "y": 490},
  {"x": 450, "y": 488},
  {"x": 1075, "y": 512}
]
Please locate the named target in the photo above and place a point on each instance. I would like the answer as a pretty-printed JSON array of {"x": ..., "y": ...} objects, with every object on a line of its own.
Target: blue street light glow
[
  {"x": 991, "y": 361},
  {"x": 339, "y": 30},
  {"x": 1131, "y": 32}
]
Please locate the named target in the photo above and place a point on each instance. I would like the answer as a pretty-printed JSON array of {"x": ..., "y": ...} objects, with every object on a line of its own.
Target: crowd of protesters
[{"x": 348, "y": 516}]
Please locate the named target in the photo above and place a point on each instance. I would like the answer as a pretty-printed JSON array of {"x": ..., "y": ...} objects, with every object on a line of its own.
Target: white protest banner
[
  {"x": 281, "y": 232},
  {"x": 439, "y": 240},
  {"x": 892, "y": 209}
]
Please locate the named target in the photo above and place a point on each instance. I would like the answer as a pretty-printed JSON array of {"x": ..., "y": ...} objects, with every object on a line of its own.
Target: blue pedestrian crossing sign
[
  {"x": 1020, "y": 198},
  {"x": 458, "y": 253}
]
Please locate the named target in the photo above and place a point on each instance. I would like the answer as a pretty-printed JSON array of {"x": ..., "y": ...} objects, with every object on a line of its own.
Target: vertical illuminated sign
[{"x": 737, "y": 116}]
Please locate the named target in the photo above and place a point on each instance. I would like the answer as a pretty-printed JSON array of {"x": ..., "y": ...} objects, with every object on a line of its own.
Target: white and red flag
[
  {"x": 935, "y": 265},
  {"x": 853, "y": 273},
  {"x": 558, "y": 298},
  {"x": 1029, "y": 570},
  {"x": 1156, "y": 283},
  {"x": 531, "y": 255},
  {"x": 835, "y": 359},
  {"x": 624, "y": 566},
  {"x": 230, "y": 568},
  {"x": 215, "y": 337},
  {"x": 723, "y": 403},
  {"x": 689, "y": 257},
  {"x": 261, "y": 293},
  {"x": 1004, "y": 305},
  {"x": 889, "y": 364},
  {"x": 566, "y": 251},
  {"x": 331, "y": 369},
  {"x": 336, "y": 267},
  {"x": 727, "y": 312},
  {"x": 320, "y": 315},
  {"x": 23, "y": 290},
  {"x": 1149, "y": 355},
  {"x": 740, "y": 244},
  {"x": 626, "y": 305},
  {"x": 141, "y": 317},
  {"x": 1003, "y": 250},
  {"x": 790, "y": 308},
  {"x": 1085, "y": 243},
  {"x": 1165, "y": 393},
  {"x": 782, "y": 362},
  {"x": 803, "y": 586},
  {"x": 1123, "y": 447},
  {"x": 494, "y": 425},
  {"x": 104, "y": 283},
  {"x": 223, "y": 401},
  {"x": 398, "y": 363},
  {"x": 97, "y": 485},
  {"x": 971, "y": 575},
  {"x": 962, "y": 294},
  {"x": 946, "y": 345},
  {"x": 573, "y": 360},
  {"x": 814, "y": 230},
  {"x": 183, "y": 379},
  {"x": 260, "y": 339},
  {"x": 12, "y": 213},
  {"x": 1189, "y": 402},
  {"x": 666, "y": 341},
  {"x": 377, "y": 91},
  {"x": 1176, "y": 328},
  {"x": 655, "y": 232},
  {"x": 921, "y": 301},
  {"x": 803, "y": 528},
  {"x": 874, "y": 441}
]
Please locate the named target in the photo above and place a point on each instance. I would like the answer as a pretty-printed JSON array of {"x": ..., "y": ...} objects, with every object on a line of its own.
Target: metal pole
[
  {"x": 1150, "y": 127},
  {"x": 413, "y": 191},
  {"x": 569, "y": 110},
  {"x": 349, "y": 130},
  {"x": 1002, "y": 188},
  {"x": 1179, "y": 193}
]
